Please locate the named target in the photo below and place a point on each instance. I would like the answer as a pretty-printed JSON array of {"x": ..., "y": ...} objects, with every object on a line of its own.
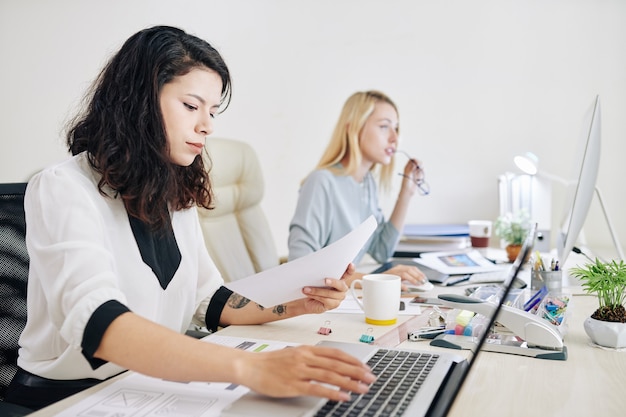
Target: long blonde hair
[{"x": 345, "y": 138}]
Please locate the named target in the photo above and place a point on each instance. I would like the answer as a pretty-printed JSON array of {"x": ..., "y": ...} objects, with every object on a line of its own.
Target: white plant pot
[{"x": 606, "y": 333}]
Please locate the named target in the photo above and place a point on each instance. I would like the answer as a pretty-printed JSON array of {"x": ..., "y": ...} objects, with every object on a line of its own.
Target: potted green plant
[
  {"x": 607, "y": 280},
  {"x": 512, "y": 228}
]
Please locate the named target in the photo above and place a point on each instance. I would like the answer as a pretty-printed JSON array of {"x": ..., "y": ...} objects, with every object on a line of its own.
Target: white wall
[{"x": 476, "y": 82}]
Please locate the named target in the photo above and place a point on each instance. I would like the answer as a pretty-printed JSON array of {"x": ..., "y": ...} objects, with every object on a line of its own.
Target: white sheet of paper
[{"x": 284, "y": 283}]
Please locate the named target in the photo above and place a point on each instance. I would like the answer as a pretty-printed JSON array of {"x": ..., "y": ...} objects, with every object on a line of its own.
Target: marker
[
  {"x": 453, "y": 281},
  {"x": 536, "y": 298}
]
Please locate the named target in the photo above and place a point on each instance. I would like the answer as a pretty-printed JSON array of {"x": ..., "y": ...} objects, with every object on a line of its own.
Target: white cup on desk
[
  {"x": 381, "y": 298},
  {"x": 480, "y": 232}
]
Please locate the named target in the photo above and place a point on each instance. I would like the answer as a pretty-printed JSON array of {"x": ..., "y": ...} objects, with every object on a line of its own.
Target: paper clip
[
  {"x": 325, "y": 330},
  {"x": 436, "y": 318},
  {"x": 367, "y": 338}
]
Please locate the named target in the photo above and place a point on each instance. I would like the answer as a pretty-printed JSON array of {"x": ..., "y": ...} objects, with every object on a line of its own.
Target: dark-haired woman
[{"x": 118, "y": 267}]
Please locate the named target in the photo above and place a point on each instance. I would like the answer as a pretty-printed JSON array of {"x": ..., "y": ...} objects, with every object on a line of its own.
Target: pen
[
  {"x": 423, "y": 300},
  {"x": 536, "y": 298},
  {"x": 453, "y": 281}
]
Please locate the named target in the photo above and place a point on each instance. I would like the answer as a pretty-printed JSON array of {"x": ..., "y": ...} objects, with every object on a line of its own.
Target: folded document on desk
[{"x": 458, "y": 262}]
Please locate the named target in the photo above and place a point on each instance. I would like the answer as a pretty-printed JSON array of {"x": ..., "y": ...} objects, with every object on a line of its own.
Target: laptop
[{"x": 431, "y": 389}]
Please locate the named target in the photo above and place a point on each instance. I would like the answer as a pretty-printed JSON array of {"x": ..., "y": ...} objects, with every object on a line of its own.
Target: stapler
[{"x": 534, "y": 336}]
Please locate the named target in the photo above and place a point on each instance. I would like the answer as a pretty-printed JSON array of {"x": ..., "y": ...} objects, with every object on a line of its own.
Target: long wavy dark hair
[{"x": 122, "y": 128}]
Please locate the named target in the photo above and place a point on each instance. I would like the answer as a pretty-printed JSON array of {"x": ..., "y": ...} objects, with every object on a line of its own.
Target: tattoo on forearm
[
  {"x": 237, "y": 301},
  {"x": 280, "y": 309}
]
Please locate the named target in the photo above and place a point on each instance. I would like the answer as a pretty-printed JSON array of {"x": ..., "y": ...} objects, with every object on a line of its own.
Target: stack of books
[{"x": 420, "y": 238}]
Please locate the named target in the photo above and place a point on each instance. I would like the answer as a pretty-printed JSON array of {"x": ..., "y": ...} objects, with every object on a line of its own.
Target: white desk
[{"x": 592, "y": 381}]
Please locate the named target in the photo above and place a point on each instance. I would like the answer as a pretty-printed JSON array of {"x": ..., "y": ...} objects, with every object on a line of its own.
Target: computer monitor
[{"x": 583, "y": 185}]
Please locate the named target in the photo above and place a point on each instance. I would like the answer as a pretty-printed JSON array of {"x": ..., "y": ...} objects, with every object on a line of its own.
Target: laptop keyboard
[{"x": 400, "y": 375}]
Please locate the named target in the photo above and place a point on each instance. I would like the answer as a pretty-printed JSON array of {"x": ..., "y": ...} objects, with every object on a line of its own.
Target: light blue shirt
[{"x": 329, "y": 207}]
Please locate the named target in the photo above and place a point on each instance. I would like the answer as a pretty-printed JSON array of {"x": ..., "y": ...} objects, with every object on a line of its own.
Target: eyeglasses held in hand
[{"x": 418, "y": 177}]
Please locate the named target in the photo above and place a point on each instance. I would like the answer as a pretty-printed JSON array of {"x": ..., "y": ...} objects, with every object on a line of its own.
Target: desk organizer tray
[
  {"x": 554, "y": 308},
  {"x": 519, "y": 332}
]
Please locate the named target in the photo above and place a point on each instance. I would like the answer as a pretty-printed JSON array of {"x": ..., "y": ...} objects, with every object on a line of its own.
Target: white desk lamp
[{"x": 529, "y": 164}]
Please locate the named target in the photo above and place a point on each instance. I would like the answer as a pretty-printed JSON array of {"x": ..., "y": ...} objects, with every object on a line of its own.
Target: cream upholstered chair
[{"x": 236, "y": 231}]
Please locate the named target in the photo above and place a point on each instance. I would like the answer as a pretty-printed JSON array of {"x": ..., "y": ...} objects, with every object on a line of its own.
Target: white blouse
[{"x": 83, "y": 253}]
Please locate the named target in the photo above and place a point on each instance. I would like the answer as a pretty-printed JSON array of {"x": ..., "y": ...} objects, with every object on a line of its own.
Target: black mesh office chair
[{"x": 13, "y": 278}]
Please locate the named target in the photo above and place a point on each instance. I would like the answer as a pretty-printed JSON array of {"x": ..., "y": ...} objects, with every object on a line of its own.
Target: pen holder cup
[{"x": 553, "y": 280}]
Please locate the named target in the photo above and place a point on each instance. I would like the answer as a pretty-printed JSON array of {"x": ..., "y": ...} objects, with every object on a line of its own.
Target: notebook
[{"x": 432, "y": 392}]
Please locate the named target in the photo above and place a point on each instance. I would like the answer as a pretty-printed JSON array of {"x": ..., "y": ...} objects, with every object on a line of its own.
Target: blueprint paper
[
  {"x": 284, "y": 283},
  {"x": 136, "y": 395}
]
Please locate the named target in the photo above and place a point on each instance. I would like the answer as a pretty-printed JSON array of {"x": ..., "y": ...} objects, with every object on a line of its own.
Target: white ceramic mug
[
  {"x": 381, "y": 298},
  {"x": 479, "y": 231}
]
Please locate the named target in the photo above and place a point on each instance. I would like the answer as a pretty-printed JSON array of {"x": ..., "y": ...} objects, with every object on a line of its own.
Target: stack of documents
[{"x": 420, "y": 238}]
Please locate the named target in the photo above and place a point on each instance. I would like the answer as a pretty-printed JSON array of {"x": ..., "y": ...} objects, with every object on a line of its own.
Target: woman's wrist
[{"x": 293, "y": 308}]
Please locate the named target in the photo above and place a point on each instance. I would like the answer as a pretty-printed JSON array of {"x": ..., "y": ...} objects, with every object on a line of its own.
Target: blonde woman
[{"x": 341, "y": 192}]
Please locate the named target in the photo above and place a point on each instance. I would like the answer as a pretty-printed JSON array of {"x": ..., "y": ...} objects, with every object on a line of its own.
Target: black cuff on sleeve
[
  {"x": 96, "y": 326},
  {"x": 216, "y": 305}
]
